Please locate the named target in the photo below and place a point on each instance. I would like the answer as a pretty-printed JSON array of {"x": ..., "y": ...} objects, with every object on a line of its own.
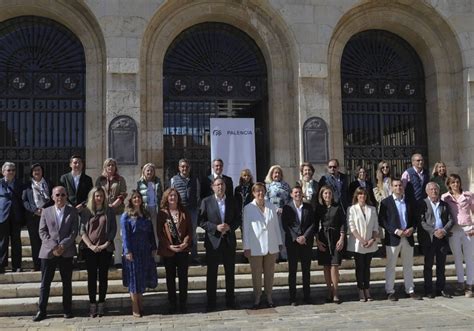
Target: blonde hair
[
  {"x": 380, "y": 176},
  {"x": 269, "y": 179},
  {"x": 434, "y": 173},
  {"x": 148, "y": 165},
  {"x": 91, "y": 203},
  {"x": 106, "y": 163}
]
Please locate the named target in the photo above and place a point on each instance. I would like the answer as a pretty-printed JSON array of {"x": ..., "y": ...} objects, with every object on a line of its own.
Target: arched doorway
[
  {"x": 383, "y": 102},
  {"x": 42, "y": 94},
  {"x": 211, "y": 70}
]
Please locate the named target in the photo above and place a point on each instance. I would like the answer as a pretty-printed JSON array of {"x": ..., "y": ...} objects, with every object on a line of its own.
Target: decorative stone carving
[
  {"x": 315, "y": 141},
  {"x": 123, "y": 145}
]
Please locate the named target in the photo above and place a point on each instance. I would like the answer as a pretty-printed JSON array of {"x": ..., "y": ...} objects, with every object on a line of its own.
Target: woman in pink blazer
[{"x": 461, "y": 205}]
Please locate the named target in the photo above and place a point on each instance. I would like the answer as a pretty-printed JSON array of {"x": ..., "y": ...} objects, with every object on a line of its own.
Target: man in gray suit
[
  {"x": 436, "y": 222},
  {"x": 57, "y": 230},
  {"x": 219, "y": 217}
]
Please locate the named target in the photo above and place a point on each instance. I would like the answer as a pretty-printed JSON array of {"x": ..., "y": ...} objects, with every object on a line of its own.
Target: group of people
[{"x": 279, "y": 222}]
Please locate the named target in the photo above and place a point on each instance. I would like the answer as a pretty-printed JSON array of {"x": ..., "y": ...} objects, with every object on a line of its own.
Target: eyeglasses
[
  {"x": 385, "y": 167},
  {"x": 332, "y": 167},
  {"x": 420, "y": 160},
  {"x": 10, "y": 170},
  {"x": 60, "y": 195}
]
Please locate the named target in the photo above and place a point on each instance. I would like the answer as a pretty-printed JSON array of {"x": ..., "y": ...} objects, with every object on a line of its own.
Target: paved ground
[{"x": 406, "y": 314}]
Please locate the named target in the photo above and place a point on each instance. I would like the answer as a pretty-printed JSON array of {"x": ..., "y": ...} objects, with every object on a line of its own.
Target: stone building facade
[{"x": 302, "y": 42}]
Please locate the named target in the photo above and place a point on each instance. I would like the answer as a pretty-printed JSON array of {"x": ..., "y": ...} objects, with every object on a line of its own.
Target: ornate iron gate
[
  {"x": 383, "y": 102},
  {"x": 211, "y": 70},
  {"x": 42, "y": 102}
]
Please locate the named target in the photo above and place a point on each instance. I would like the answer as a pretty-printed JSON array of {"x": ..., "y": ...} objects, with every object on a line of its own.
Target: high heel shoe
[
  {"x": 368, "y": 296},
  {"x": 362, "y": 297}
]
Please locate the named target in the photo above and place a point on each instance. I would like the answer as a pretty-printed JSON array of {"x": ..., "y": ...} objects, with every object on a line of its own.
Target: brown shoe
[
  {"x": 468, "y": 293},
  {"x": 392, "y": 297},
  {"x": 415, "y": 296}
]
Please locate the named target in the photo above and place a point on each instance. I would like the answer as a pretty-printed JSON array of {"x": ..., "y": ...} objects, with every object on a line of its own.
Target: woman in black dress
[
  {"x": 243, "y": 192},
  {"x": 331, "y": 223}
]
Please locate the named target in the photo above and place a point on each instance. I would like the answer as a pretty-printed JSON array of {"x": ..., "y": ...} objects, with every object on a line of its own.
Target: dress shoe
[
  {"x": 270, "y": 305},
  {"x": 39, "y": 316},
  {"x": 255, "y": 306},
  {"x": 430, "y": 295},
  {"x": 211, "y": 308},
  {"x": 415, "y": 296},
  {"x": 2, "y": 270},
  {"x": 392, "y": 297},
  {"x": 444, "y": 294},
  {"x": 308, "y": 301},
  {"x": 231, "y": 304},
  {"x": 172, "y": 308},
  {"x": 67, "y": 315},
  {"x": 118, "y": 265},
  {"x": 183, "y": 309}
]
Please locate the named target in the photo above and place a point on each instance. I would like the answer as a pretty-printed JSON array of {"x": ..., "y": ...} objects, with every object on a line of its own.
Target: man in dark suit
[
  {"x": 217, "y": 171},
  {"x": 58, "y": 229},
  {"x": 76, "y": 183},
  {"x": 299, "y": 223},
  {"x": 219, "y": 217},
  {"x": 338, "y": 182},
  {"x": 11, "y": 217},
  {"x": 398, "y": 216},
  {"x": 436, "y": 222}
]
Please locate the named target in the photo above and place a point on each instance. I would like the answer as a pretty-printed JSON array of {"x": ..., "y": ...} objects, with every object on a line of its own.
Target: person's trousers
[
  {"x": 32, "y": 224},
  {"x": 11, "y": 228},
  {"x": 283, "y": 252},
  {"x": 118, "y": 242},
  {"x": 154, "y": 221},
  {"x": 178, "y": 262},
  {"x": 462, "y": 247},
  {"x": 302, "y": 253},
  {"x": 224, "y": 254},
  {"x": 48, "y": 268},
  {"x": 194, "y": 221},
  {"x": 406, "y": 251},
  {"x": 263, "y": 264},
  {"x": 362, "y": 264},
  {"x": 436, "y": 249},
  {"x": 97, "y": 265}
]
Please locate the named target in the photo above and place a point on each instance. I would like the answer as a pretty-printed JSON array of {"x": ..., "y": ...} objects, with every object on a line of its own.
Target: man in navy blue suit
[{"x": 11, "y": 217}]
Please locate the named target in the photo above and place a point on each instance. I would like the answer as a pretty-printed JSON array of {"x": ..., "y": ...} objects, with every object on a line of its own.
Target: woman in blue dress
[{"x": 139, "y": 249}]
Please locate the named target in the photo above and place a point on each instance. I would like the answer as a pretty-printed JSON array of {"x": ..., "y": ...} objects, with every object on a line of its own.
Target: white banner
[{"x": 233, "y": 141}]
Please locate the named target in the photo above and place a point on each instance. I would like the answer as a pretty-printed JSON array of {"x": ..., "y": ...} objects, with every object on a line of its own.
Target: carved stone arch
[
  {"x": 270, "y": 34},
  {"x": 436, "y": 45},
  {"x": 78, "y": 19}
]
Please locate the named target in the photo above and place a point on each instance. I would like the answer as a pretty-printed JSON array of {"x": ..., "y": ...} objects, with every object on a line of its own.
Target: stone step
[
  {"x": 156, "y": 303},
  {"x": 79, "y": 287},
  {"x": 244, "y": 268}
]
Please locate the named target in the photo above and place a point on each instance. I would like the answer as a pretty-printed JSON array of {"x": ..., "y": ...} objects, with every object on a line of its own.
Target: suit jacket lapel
[
  {"x": 216, "y": 207},
  {"x": 65, "y": 214},
  {"x": 395, "y": 209},
  {"x": 71, "y": 182}
]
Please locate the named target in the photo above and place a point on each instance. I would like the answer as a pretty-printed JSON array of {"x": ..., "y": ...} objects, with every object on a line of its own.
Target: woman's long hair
[
  {"x": 91, "y": 202},
  {"x": 379, "y": 174},
  {"x": 164, "y": 200},
  {"x": 269, "y": 179},
  {"x": 130, "y": 209}
]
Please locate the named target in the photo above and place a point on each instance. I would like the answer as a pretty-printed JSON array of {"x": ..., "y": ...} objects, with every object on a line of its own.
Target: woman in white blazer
[
  {"x": 363, "y": 226},
  {"x": 262, "y": 242}
]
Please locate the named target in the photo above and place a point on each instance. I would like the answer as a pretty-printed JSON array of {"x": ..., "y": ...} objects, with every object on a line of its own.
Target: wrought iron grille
[
  {"x": 42, "y": 102},
  {"x": 211, "y": 70},
  {"x": 383, "y": 102}
]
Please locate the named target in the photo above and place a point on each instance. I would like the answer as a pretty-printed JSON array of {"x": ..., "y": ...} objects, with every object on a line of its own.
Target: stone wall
[{"x": 302, "y": 42}]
